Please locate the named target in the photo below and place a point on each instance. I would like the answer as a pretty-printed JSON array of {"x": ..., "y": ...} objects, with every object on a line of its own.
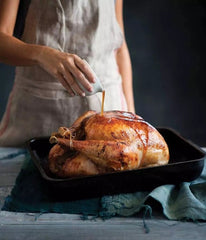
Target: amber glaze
[
  {"x": 102, "y": 108},
  {"x": 137, "y": 123},
  {"x": 141, "y": 127}
]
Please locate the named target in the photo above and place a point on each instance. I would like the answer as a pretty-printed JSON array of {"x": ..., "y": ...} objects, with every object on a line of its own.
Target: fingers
[
  {"x": 68, "y": 81},
  {"x": 65, "y": 84},
  {"x": 73, "y": 84},
  {"x": 79, "y": 74},
  {"x": 73, "y": 72},
  {"x": 85, "y": 68}
]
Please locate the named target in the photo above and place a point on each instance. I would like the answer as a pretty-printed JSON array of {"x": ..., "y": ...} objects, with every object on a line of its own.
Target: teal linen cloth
[{"x": 187, "y": 201}]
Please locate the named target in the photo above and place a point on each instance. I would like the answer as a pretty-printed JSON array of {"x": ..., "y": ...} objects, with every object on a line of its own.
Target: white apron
[{"x": 38, "y": 104}]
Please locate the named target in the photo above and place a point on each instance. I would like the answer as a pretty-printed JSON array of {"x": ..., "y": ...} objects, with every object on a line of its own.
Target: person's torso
[{"x": 87, "y": 28}]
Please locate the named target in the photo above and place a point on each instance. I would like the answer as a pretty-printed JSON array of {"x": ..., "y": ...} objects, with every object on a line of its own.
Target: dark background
[{"x": 166, "y": 39}]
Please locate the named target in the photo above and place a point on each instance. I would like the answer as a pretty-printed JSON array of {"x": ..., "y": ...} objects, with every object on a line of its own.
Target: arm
[
  {"x": 60, "y": 65},
  {"x": 124, "y": 62}
]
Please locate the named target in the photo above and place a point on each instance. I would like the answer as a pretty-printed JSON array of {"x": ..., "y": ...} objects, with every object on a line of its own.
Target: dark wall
[
  {"x": 166, "y": 39},
  {"x": 167, "y": 46},
  {"x": 6, "y": 82},
  {"x": 7, "y": 72}
]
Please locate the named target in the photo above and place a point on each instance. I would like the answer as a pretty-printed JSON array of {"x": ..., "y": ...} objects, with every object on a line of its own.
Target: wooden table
[{"x": 69, "y": 226}]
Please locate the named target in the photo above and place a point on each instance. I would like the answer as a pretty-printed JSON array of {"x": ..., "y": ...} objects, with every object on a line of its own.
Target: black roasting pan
[{"x": 186, "y": 164}]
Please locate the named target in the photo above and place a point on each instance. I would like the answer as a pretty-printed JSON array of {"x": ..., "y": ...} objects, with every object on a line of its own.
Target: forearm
[
  {"x": 125, "y": 69},
  {"x": 15, "y": 52},
  {"x": 67, "y": 68}
]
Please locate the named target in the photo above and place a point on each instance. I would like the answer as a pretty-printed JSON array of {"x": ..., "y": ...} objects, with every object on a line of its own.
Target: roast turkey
[{"x": 99, "y": 143}]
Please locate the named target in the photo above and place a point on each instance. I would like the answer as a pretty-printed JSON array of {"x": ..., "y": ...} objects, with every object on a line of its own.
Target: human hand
[{"x": 68, "y": 68}]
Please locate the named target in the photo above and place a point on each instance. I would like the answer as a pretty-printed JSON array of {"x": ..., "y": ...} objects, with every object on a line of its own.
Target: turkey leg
[{"x": 113, "y": 154}]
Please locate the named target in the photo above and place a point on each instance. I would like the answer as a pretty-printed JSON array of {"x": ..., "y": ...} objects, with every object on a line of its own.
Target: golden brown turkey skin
[{"x": 113, "y": 141}]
